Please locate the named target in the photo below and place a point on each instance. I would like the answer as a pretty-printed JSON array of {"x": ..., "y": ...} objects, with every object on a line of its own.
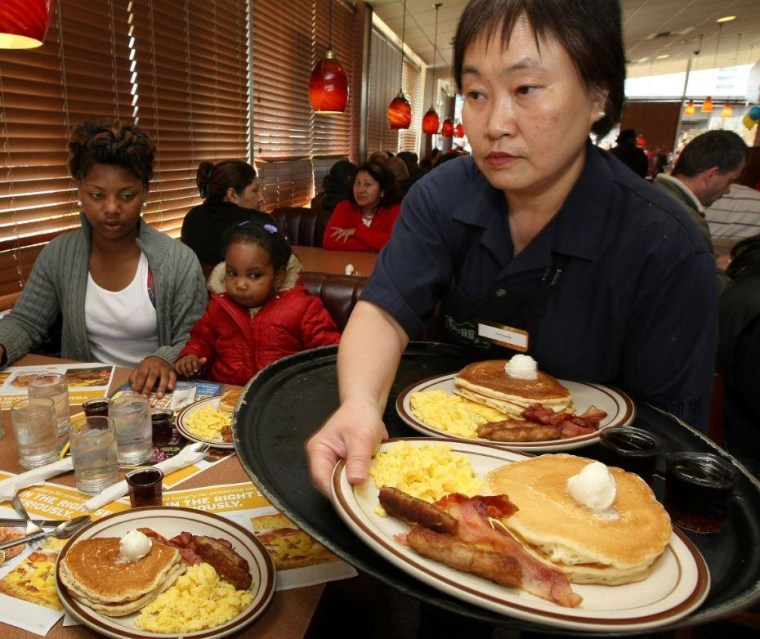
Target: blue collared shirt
[{"x": 636, "y": 304}]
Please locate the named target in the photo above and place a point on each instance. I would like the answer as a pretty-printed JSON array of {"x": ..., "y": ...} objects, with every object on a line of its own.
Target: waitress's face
[
  {"x": 527, "y": 112},
  {"x": 112, "y": 199}
]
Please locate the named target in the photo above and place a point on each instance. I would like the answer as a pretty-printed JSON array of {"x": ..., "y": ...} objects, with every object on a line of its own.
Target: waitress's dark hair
[
  {"x": 745, "y": 258},
  {"x": 264, "y": 235},
  {"x": 111, "y": 142},
  {"x": 391, "y": 192},
  {"x": 589, "y": 30},
  {"x": 214, "y": 180}
]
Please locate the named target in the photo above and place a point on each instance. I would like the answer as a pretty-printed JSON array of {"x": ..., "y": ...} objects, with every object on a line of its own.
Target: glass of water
[
  {"x": 34, "y": 427},
  {"x": 134, "y": 433},
  {"x": 93, "y": 451},
  {"x": 53, "y": 386}
]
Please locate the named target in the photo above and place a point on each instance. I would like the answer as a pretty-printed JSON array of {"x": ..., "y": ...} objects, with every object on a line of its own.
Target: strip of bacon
[
  {"x": 475, "y": 528},
  {"x": 512, "y": 430},
  {"x": 447, "y": 549},
  {"x": 403, "y": 506}
]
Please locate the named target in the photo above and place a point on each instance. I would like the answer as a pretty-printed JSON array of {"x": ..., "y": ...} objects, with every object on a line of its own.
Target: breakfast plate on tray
[
  {"x": 677, "y": 585},
  {"x": 169, "y": 522},
  {"x": 618, "y": 406},
  {"x": 185, "y": 426}
]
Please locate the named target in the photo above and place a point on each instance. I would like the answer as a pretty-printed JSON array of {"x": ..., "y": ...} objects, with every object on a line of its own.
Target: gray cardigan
[{"x": 58, "y": 284}]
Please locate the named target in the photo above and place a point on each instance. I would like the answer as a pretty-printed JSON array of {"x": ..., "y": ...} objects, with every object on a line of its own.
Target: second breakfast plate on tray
[
  {"x": 184, "y": 427},
  {"x": 169, "y": 522},
  {"x": 618, "y": 406},
  {"x": 678, "y": 584}
]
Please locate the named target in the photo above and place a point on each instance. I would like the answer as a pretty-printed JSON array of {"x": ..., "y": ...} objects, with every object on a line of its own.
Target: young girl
[{"x": 263, "y": 314}]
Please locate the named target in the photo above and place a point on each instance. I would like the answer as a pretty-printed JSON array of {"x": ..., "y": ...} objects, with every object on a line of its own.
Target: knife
[{"x": 14, "y": 521}]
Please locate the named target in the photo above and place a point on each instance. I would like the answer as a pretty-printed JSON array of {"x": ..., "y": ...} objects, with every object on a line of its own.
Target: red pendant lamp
[
  {"x": 328, "y": 85},
  {"x": 641, "y": 141},
  {"x": 399, "y": 110},
  {"x": 447, "y": 129},
  {"x": 431, "y": 122},
  {"x": 459, "y": 130},
  {"x": 24, "y": 23}
]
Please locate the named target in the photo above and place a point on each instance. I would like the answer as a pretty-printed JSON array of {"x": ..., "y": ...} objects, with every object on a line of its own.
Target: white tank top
[{"x": 122, "y": 326}]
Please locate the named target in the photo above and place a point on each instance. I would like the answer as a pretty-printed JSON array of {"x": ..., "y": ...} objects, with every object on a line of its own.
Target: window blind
[
  {"x": 383, "y": 86},
  {"x": 412, "y": 86}
]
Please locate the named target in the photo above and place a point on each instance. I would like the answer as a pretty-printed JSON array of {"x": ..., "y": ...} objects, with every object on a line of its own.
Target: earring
[
  {"x": 601, "y": 114},
  {"x": 79, "y": 203}
]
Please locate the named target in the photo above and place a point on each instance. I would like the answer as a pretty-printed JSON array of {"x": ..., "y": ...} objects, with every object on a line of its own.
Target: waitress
[{"x": 539, "y": 242}]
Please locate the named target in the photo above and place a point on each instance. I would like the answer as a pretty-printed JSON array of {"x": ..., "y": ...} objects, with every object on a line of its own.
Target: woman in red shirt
[{"x": 365, "y": 221}]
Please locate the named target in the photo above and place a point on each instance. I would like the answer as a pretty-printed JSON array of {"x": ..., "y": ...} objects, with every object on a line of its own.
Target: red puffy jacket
[{"x": 238, "y": 346}]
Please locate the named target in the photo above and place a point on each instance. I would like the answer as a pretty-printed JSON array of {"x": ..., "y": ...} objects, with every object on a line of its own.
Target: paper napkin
[
  {"x": 186, "y": 457},
  {"x": 9, "y": 487}
]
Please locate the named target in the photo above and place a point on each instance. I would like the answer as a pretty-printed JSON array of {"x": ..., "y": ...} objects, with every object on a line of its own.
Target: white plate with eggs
[
  {"x": 618, "y": 406},
  {"x": 169, "y": 522}
]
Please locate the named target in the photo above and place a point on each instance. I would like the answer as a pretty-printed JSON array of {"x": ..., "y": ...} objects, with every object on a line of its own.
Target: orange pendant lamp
[
  {"x": 689, "y": 110},
  {"x": 399, "y": 112},
  {"x": 24, "y": 23},
  {"x": 328, "y": 85},
  {"x": 707, "y": 105},
  {"x": 726, "y": 112},
  {"x": 431, "y": 122}
]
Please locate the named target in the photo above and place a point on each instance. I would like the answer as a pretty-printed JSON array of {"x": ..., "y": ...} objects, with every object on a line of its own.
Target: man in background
[
  {"x": 629, "y": 154},
  {"x": 703, "y": 173}
]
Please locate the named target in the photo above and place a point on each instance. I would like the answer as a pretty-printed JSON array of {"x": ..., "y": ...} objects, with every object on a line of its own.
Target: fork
[{"x": 31, "y": 527}]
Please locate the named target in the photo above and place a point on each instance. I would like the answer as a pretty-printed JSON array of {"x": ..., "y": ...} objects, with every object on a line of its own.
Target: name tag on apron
[{"x": 514, "y": 338}]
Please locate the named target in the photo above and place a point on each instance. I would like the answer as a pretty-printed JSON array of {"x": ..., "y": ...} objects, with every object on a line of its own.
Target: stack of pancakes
[
  {"x": 487, "y": 383},
  {"x": 617, "y": 546},
  {"x": 94, "y": 574}
]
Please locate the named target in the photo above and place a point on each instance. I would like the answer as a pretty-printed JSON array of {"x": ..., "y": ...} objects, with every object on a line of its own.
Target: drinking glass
[
  {"x": 96, "y": 407},
  {"x": 53, "y": 386},
  {"x": 145, "y": 487},
  {"x": 36, "y": 432},
  {"x": 131, "y": 419},
  {"x": 93, "y": 451}
]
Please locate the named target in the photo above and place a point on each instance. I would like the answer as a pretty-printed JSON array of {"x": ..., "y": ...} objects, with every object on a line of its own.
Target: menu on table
[{"x": 85, "y": 381}]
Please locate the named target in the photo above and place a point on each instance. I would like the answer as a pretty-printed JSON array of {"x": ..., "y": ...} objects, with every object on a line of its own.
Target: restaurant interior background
[{"x": 229, "y": 78}]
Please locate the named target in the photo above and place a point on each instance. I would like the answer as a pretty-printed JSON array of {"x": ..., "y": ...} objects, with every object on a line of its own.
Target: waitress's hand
[
  {"x": 153, "y": 372},
  {"x": 354, "y": 433},
  {"x": 341, "y": 234}
]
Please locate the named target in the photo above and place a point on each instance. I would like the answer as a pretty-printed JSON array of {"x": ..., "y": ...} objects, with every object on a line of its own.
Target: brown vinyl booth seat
[
  {"x": 301, "y": 225},
  {"x": 339, "y": 293}
]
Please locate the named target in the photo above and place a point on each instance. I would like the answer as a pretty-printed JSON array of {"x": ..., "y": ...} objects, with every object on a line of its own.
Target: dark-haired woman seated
[
  {"x": 232, "y": 195},
  {"x": 364, "y": 222}
]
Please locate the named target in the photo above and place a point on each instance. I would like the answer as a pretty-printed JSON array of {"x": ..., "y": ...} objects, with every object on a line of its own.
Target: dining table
[
  {"x": 290, "y": 611},
  {"x": 320, "y": 260},
  {"x": 271, "y": 429}
]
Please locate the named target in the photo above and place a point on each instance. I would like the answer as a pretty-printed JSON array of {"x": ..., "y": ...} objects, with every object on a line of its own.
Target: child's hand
[{"x": 189, "y": 365}]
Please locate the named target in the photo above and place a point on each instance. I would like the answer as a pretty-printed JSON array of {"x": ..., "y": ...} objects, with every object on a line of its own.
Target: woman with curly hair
[{"x": 126, "y": 294}]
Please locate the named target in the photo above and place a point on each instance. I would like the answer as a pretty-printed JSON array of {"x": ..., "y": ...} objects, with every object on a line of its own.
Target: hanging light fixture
[
  {"x": 24, "y": 23},
  {"x": 431, "y": 122},
  {"x": 726, "y": 112},
  {"x": 459, "y": 130},
  {"x": 447, "y": 128},
  {"x": 690, "y": 110},
  {"x": 707, "y": 105},
  {"x": 328, "y": 85},
  {"x": 399, "y": 110},
  {"x": 641, "y": 141}
]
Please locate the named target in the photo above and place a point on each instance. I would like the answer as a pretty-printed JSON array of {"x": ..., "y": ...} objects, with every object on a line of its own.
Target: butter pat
[
  {"x": 522, "y": 367},
  {"x": 593, "y": 487},
  {"x": 134, "y": 545}
]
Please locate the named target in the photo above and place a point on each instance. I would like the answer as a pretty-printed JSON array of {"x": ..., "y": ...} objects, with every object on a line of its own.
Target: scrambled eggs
[
  {"x": 207, "y": 422},
  {"x": 199, "y": 599},
  {"x": 428, "y": 472},
  {"x": 452, "y": 413}
]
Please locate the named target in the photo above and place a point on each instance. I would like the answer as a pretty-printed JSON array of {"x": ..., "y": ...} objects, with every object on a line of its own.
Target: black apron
[{"x": 460, "y": 315}]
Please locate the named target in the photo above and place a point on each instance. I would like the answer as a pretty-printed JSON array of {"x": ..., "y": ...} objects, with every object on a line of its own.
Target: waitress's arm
[{"x": 368, "y": 357}]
